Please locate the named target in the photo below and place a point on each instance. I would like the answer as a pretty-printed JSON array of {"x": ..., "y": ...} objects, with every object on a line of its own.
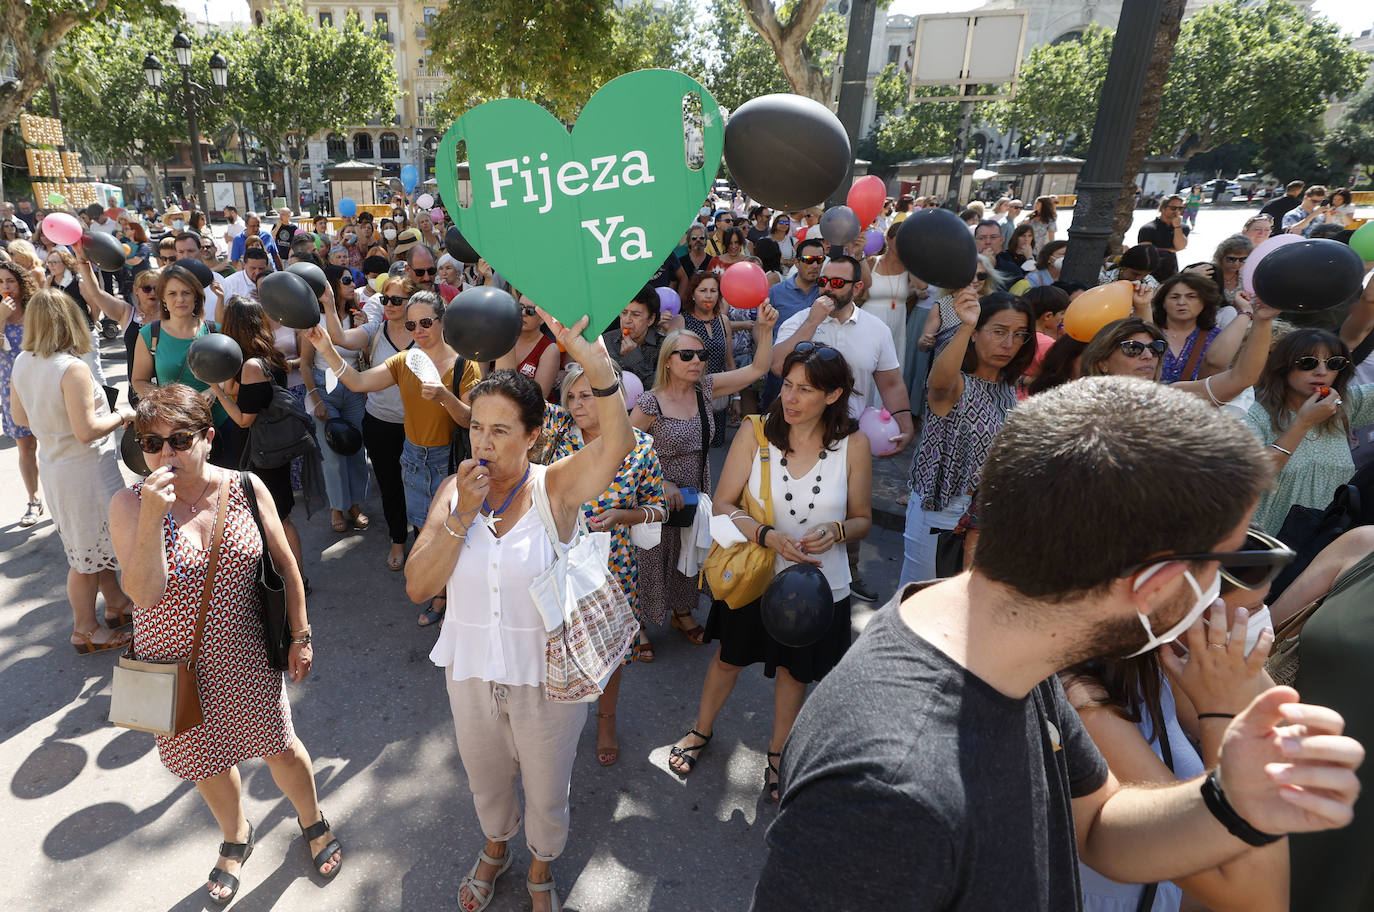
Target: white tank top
[
  {"x": 889, "y": 292},
  {"x": 831, "y": 504},
  {"x": 492, "y": 630}
]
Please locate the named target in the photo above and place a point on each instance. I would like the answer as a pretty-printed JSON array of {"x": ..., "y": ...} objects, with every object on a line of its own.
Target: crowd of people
[{"x": 485, "y": 471}]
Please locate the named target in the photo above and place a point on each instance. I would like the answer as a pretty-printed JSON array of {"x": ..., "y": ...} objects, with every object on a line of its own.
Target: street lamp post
[{"x": 219, "y": 73}]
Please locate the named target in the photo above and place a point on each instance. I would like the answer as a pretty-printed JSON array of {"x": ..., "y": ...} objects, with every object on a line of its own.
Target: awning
[{"x": 983, "y": 174}]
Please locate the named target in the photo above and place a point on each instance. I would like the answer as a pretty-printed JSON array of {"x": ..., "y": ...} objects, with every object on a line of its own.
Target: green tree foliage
[
  {"x": 649, "y": 35},
  {"x": 1059, "y": 91},
  {"x": 106, "y": 105},
  {"x": 902, "y": 131},
  {"x": 1349, "y": 146},
  {"x": 292, "y": 80},
  {"x": 1254, "y": 71}
]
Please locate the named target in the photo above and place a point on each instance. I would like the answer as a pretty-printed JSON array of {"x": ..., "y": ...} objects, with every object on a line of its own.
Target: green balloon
[
  {"x": 1362, "y": 241},
  {"x": 56, "y": 199},
  {"x": 580, "y": 221}
]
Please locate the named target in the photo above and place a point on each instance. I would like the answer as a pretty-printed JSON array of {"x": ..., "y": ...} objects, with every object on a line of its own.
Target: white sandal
[
  {"x": 545, "y": 887},
  {"x": 31, "y": 515},
  {"x": 482, "y": 890}
]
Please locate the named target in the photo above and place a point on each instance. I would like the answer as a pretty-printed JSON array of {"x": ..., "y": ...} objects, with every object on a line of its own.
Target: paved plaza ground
[{"x": 94, "y": 823}]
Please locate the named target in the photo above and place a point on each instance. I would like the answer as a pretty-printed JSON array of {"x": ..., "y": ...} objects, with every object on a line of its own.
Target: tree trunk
[
  {"x": 149, "y": 166},
  {"x": 788, "y": 44},
  {"x": 1166, "y": 37}
]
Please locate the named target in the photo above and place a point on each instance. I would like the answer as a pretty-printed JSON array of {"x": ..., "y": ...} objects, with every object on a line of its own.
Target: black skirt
[{"x": 744, "y": 641}]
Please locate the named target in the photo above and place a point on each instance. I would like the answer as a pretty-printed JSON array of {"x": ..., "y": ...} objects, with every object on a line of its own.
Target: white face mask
[
  {"x": 178, "y": 224},
  {"x": 389, "y": 233},
  {"x": 1057, "y": 262},
  {"x": 1204, "y": 601}
]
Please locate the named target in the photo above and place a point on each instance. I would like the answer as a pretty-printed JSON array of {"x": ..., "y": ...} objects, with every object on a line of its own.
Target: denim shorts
[{"x": 422, "y": 471}]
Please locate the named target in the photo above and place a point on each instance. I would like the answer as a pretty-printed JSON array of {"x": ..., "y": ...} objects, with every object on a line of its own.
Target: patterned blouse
[
  {"x": 1173, "y": 366},
  {"x": 639, "y": 483},
  {"x": 949, "y": 459}
]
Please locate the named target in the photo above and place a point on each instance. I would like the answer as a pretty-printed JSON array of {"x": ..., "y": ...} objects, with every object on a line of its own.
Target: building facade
[{"x": 410, "y": 136}]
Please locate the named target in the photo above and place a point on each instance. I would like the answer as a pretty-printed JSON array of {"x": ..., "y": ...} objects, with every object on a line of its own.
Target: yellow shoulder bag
[{"x": 739, "y": 574}]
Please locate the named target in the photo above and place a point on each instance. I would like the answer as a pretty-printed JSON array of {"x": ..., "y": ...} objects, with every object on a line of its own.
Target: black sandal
[
  {"x": 315, "y": 831},
  {"x": 772, "y": 770},
  {"x": 432, "y": 615},
  {"x": 688, "y": 755},
  {"x": 237, "y": 850}
]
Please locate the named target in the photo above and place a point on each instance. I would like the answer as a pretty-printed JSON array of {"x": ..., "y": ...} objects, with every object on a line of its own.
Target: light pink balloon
[
  {"x": 61, "y": 227},
  {"x": 879, "y": 427},
  {"x": 1247, "y": 272},
  {"x": 424, "y": 200},
  {"x": 437, "y": 214},
  {"x": 634, "y": 388}
]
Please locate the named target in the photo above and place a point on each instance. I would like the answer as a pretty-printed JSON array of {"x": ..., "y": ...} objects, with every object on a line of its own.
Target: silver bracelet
[{"x": 1281, "y": 449}]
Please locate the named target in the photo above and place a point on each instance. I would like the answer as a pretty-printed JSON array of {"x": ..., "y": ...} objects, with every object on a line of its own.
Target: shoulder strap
[
  {"x": 705, "y": 434},
  {"x": 1195, "y": 356},
  {"x": 460, "y": 365},
  {"x": 765, "y": 479},
  {"x": 215, "y": 542},
  {"x": 154, "y": 330},
  {"x": 252, "y": 496},
  {"x": 540, "y": 495}
]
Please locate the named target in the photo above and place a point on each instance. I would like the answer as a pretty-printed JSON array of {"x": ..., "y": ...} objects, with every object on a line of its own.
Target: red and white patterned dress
[{"x": 243, "y": 698}]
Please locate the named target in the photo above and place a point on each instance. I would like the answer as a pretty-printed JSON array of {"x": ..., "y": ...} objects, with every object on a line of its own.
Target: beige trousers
[{"x": 506, "y": 730}]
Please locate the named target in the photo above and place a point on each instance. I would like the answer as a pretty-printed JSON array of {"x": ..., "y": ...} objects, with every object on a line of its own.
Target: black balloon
[
  {"x": 787, "y": 151},
  {"x": 342, "y": 436},
  {"x": 839, "y": 225},
  {"x": 482, "y": 323},
  {"x": 214, "y": 358},
  {"x": 288, "y": 299},
  {"x": 1309, "y": 275},
  {"x": 198, "y": 269},
  {"x": 797, "y": 606},
  {"x": 103, "y": 250},
  {"x": 936, "y": 246},
  {"x": 131, "y": 454},
  {"x": 458, "y": 246},
  {"x": 313, "y": 275}
]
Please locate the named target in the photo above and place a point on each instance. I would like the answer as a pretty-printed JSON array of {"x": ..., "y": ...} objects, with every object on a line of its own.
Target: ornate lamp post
[{"x": 219, "y": 74}]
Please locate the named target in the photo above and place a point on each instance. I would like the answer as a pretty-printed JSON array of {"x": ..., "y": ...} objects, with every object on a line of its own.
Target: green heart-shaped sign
[{"x": 580, "y": 221}]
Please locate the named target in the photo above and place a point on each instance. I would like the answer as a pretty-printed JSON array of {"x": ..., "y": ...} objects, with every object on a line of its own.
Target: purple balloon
[
  {"x": 669, "y": 304},
  {"x": 873, "y": 241}
]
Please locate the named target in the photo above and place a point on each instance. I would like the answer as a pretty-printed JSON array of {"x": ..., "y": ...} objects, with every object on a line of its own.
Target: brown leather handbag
[{"x": 159, "y": 696}]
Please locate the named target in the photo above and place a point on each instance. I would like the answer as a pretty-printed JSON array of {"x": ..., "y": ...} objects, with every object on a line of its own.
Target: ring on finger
[{"x": 1216, "y": 645}]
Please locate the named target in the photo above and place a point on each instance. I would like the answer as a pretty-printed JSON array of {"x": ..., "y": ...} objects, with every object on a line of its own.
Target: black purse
[
  {"x": 684, "y": 516},
  {"x": 271, "y": 592},
  {"x": 460, "y": 444}
]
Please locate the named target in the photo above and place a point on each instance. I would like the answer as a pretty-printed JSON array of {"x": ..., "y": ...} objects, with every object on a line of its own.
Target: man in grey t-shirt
[{"x": 939, "y": 766}]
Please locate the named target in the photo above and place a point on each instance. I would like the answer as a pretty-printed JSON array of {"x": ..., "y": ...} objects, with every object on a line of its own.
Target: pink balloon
[
  {"x": 634, "y": 388},
  {"x": 61, "y": 227},
  {"x": 436, "y": 214},
  {"x": 873, "y": 241},
  {"x": 424, "y": 200},
  {"x": 1247, "y": 272},
  {"x": 879, "y": 427}
]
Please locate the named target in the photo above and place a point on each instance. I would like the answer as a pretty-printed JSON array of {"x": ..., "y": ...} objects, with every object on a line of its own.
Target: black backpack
[
  {"x": 1307, "y": 530},
  {"x": 282, "y": 432}
]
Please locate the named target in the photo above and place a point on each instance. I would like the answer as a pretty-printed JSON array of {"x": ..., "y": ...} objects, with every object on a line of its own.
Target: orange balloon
[{"x": 1097, "y": 307}]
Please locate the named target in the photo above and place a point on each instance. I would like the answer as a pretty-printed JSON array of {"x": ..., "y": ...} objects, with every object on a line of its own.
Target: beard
[{"x": 1119, "y": 637}]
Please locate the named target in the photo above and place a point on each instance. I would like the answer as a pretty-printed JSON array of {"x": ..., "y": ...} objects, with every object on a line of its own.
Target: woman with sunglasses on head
[
  {"x": 432, "y": 411},
  {"x": 55, "y": 395},
  {"x": 383, "y": 424},
  {"x": 244, "y": 397},
  {"x": 345, "y": 474},
  {"x": 677, "y": 415},
  {"x": 820, "y": 485},
  {"x": 1160, "y": 719},
  {"x": 970, "y": 390},
  {"x": 163, "y": 529},
  {"x": 535, "y": 355},
  {"x": 1304, "y": 409},
  {"x": 16, "y": 287}
]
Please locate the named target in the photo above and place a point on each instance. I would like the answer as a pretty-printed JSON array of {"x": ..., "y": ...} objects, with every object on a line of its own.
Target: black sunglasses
[
  {"x": 528, "y": 310},
  {"x": 425, "y": 323},
  {"x": 1258, "y": 562},
  {"x": 811, "y": 259},
  {"x": 1134, "y": 348},
  {"x": 394, "y": 300},
  {"x": 346, "y": 279},
  {"x": 834, "y": 282},
  {"x": 687, "y": 354},
  {"x": 825, "y": 351},
  {"x": 1309, "y": 362},
  {"x": 1236, "y": 259},
  {"x": 423, "y": 272},
  {"x": 181, "y": 441},
  {"x": 980, "y": 276}
]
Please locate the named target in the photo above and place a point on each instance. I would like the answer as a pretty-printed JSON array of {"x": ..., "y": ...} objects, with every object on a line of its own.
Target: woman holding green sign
[{"x": 677, "y": 414}]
